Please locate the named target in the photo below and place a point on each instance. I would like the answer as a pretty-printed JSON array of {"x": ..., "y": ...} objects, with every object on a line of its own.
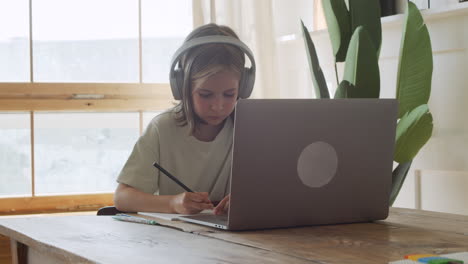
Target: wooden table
[{"x": 90, "y": 239}]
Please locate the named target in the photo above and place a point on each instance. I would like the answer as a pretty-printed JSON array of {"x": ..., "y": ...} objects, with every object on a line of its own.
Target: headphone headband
[{"x": 214, "y": 39}]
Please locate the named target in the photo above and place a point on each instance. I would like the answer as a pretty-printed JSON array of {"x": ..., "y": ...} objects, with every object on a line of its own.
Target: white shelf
[{"x": 459, "y": 9}]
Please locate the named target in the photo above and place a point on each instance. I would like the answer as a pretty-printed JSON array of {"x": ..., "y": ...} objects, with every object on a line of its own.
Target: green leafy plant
[{"x": 356, "y": 37}]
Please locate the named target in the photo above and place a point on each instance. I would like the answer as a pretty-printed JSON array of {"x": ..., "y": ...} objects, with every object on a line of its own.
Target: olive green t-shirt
[{"x": 202, "y": 166}]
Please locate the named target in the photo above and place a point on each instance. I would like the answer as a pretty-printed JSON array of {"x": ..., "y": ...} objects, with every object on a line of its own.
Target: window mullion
[
  {"x": 140, "y": 114},
  {"x": 31, "y": 68},
  {"x": 33, "y": 178},
  {"x": 140, "y": 46}
]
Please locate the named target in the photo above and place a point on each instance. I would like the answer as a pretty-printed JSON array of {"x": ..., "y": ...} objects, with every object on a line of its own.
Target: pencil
[
  {"x": 172, "y": 177},
  {"x": 134, "y": 219}
]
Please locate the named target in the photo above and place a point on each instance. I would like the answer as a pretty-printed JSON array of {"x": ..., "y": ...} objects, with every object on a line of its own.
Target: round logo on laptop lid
[{"x": 317, "y": 164}]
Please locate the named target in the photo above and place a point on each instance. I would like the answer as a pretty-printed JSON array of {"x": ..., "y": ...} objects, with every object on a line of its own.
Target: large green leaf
[
  {"x": 413, "y": 131},
  {"x": 415, "y": 65},
  {"x": 342, "y": 90},
  {"x": 320, "y": 85},
  {"x": 367, "y": 13},
  {"x": 398, "y": 178},
  {"x": 339, "y": 27},
  {"x": 361, "y": 67}
]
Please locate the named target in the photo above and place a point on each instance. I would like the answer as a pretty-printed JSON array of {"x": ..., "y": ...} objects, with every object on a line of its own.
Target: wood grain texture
[
  {"x": 19, "y": 252},
  {"x": 354, "y": 243},
  {"x": 31, "y": 90},
  {"x": 406, "y": 231},
  {"x": 60, "y": 96},
  {"x": 5, "y": 254},
  {"x": 59, "y": 203},
  {"x": 444, "y": 222},
  {"x": 104, "y": 240},
  {"x": 140, "y": 104}
]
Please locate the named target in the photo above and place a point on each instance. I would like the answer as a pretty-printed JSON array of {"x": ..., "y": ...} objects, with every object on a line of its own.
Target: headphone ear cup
[
  {"x": 246, "y": 83},
  {"x": 177, "y": 82}
]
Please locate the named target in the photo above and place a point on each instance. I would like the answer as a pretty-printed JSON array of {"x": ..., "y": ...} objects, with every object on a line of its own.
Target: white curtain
[{"x": 271, "y": 28}]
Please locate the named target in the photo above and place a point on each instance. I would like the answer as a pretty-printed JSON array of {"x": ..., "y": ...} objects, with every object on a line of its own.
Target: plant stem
[{"x": 336, "y": 73}]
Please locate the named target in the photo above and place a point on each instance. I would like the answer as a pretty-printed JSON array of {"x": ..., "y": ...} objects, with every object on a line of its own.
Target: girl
[{"x": 193, "y": 140}]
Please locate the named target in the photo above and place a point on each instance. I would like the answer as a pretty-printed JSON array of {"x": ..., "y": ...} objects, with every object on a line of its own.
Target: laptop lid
[{"x": 311, "y": 161}]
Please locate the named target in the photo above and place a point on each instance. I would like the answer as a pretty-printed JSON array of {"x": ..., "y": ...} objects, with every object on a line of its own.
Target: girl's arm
[{"x": 129, "y": 199}]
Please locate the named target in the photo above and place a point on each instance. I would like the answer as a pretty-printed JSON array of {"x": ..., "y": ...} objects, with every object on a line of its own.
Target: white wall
[{"x": 443, "y": 163}]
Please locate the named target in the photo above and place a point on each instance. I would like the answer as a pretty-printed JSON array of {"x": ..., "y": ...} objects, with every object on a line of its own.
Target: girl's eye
[
  {"x": 229, "y": 95},
  {"x": 205, "y": 95}
]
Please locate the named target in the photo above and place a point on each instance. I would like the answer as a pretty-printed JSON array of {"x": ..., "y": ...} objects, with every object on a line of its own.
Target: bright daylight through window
[{"x": 79, "y": 41}]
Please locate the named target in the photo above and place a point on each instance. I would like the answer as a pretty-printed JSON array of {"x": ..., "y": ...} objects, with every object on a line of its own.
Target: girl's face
[{"x": 215, "y": 99}]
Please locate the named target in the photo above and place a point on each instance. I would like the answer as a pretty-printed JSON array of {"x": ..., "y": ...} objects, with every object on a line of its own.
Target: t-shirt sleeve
[{"x": 139, "y": 171}]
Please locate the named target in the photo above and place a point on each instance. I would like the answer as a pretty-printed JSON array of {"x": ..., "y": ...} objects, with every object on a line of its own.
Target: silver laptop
[{"x": 299, "y": 162}]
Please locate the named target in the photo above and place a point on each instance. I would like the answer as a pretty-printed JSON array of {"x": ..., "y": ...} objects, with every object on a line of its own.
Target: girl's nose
[{"x": 217, "y": 104}]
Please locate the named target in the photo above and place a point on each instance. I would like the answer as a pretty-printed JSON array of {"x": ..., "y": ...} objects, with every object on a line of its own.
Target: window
[
  {"x": 14, "y": 42},
  {"x": 147, "y": 117},
  {"x": 85, "y": 40},
  {"x": 165, "y": 24},
  {"x": 15, "y": 154},
  {"x": 81, "y": 152},
  {"x": 76, "y": 90}
]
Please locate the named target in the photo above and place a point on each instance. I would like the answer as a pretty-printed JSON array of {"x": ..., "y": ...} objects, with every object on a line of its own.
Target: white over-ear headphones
[{"x": 176, "y": 76}]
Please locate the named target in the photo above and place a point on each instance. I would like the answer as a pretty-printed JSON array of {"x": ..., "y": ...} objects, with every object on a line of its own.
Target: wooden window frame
[
  {"x": 54, "y": 204},
  {"x": 85, "y": 97},
  {"x": 75, "y": 97},
  {"x": 65, "y": 97}
]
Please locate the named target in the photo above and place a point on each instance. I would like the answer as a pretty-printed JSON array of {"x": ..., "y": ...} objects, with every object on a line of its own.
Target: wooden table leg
[{"x": 19, "y": 252}]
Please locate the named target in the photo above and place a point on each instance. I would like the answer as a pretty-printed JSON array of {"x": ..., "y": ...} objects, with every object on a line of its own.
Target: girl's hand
[
  {"x": 191, "y": 203},
  {"x": 223, "y": 206}
]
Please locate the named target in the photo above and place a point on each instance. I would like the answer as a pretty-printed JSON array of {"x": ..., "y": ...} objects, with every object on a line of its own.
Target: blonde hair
[{"x": 202, "y": 62}]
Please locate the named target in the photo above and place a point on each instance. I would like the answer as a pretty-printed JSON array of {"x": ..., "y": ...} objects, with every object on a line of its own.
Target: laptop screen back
[{"x": 305, "y": 162}]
